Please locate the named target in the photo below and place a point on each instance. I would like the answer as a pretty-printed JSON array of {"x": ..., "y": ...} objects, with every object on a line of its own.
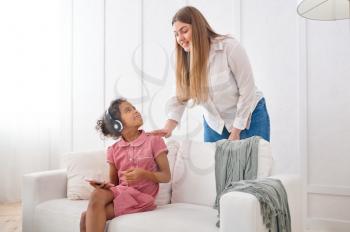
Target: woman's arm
[
  {"x": 167, "y": 130},
  {"x": 174, "y": 110},
  {"x": 239, "y": 64}
]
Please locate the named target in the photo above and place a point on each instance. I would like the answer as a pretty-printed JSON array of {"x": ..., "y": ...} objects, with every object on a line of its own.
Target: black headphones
[{"x": 117, "y": 124}]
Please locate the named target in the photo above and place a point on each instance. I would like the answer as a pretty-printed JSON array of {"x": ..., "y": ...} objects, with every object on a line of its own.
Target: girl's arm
[
  {"x": 162, "y": 176},
  {"x": 113, "y": 174}
]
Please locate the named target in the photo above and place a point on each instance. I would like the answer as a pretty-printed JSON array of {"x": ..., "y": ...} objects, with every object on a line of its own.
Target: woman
[{"x": 213, "y": 70}]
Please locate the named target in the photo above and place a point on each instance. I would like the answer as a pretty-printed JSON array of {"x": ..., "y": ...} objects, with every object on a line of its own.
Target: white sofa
[{"x": 46, "y": 207}]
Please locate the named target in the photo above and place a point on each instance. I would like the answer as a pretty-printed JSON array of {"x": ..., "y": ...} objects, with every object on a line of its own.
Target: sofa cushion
[
  {"x": 59, "y": 215},
  {"x": 195, "y": 170},
  {"x": 63, "y": 215},
  {"x": 169, "y": 218},
  {"x": 81, "y": 165},
  {"x": 164, "y": 194}
]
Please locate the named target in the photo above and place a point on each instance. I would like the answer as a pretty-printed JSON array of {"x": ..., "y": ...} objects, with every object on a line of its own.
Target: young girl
[{"x": 137, "y": 164}]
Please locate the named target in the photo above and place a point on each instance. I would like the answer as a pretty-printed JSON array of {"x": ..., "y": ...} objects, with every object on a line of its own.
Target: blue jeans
[{"x": 259, "y": 125}]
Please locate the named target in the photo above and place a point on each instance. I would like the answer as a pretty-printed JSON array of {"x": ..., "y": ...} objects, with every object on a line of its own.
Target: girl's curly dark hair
[{"x": 105, "y": 126}]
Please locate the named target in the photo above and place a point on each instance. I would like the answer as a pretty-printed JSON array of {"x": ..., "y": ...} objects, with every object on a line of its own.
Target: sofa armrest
[
  {"x": 39, "y": 187},
  {"x": 240, "y": 212},
  {"x": 293, "y": 186}
]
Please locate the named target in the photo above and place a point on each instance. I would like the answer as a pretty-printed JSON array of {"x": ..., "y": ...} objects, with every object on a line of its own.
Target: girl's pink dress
[{"x": 140, "y": 153}]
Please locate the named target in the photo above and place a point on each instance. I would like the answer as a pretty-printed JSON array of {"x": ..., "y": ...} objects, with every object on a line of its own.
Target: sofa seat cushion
[
  {"x": 59, "y": 215},
  {"x": 63, "y": 215},
  {"x": 171, "y": 218}
]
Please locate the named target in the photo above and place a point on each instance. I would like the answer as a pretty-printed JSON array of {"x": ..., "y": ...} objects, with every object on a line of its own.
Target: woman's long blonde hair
[{"x": 192, "y": 68}]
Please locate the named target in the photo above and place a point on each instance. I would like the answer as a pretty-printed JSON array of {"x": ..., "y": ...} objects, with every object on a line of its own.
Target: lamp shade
[{"x": 324, "y": 9}]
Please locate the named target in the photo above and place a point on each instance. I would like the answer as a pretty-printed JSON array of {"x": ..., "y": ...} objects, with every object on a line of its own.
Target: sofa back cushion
[
  {"x": 81, "y": 165},
  {"x": 164, "y": 194},
  {"x": 194, "y": 171}
]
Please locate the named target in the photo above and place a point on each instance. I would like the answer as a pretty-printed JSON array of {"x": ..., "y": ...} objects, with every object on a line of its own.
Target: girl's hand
[
  {"x": 235, "y": 134},
  {"x": 133, "y": 175},
  {"x": 103, "y": 185}
]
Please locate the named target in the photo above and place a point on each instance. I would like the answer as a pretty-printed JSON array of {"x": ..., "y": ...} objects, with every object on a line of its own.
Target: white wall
[
  {"x": 270, "y": 34},
  {"x": 88, "y": 74},
  {"x": 303, "y": 68},
  {"x": 327, "y": 71},
  {"x": 35, "y": 80}
]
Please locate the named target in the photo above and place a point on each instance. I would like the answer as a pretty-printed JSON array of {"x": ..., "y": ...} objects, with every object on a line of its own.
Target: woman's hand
[
  {"x": 167, "y": 130},
  {"x": 162, "y": 132},
  {"x": 133, "y": 175},
  {"x": 235, "y": 134}
]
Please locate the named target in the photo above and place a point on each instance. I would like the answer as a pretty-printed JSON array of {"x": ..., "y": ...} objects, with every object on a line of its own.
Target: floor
[{"x": 10, "y": 218}]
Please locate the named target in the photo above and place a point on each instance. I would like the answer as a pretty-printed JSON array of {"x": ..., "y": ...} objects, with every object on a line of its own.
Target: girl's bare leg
[
  {"x": 96, "y": 214},
  {"x": 83, "y": 222},
  {"x": 110, "y": 211},
  {"x": 109, "y": 214}
]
